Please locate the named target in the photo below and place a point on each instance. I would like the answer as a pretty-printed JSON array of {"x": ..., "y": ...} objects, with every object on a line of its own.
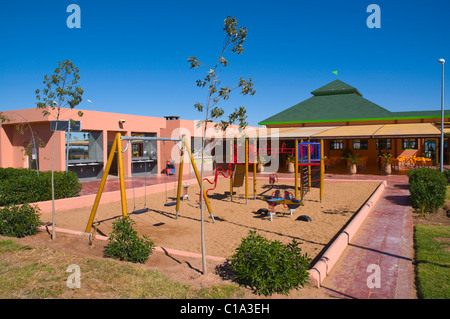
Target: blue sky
[{"x": 132, "y": 55}]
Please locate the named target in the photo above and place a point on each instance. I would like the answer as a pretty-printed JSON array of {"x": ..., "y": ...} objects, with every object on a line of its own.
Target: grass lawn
[
  {"x": 28, "y": 272},
  {"x": 432, "y": 261}
]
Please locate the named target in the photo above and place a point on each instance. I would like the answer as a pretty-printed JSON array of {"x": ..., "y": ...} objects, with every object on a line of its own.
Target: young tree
[
  {"x": 60, "y": 93},
  {"x": 233, "y": 42}
]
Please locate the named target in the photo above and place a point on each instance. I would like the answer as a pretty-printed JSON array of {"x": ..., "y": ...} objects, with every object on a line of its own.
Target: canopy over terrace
[
  {"x": 406, "y": 130},
  {"x": 375, "y": 137}
]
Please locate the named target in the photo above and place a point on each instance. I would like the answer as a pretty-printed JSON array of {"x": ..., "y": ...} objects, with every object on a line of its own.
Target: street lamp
[
  {"x": 442, "y": 61},
  {"x": 92, "y": 104}
]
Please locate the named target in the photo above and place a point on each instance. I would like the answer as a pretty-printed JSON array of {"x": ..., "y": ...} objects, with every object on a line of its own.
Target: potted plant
[
  {"x": 352, "y": 159},
  {"x": 290, "y": 163},
  {"x": 387, "y": 163},
  {"x": 260, "y": 167}
]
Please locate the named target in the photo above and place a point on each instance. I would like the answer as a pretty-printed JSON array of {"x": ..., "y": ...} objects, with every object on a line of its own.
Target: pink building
[{"x": 26, "y": 141}]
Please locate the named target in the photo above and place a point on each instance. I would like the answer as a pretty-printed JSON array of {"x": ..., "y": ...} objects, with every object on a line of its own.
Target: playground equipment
[
  {"x": 307, "y": 155},
  {"x": 221, "y": 171},
  {"x": 273, "y": 178},
  {"x": 287, "y": 201},
  {"x": 310, "y": 161},
  {"x": 308, "y": 158},
  {"x": 117, "y": 145},
  {"x": 237, "y": 171}
]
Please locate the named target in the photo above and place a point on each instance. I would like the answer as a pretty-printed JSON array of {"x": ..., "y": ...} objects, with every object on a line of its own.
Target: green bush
[
  {"x": 125, "y": 244},
  {"x": 20, "y": 186},
  {"x": 428, "y": 188},
  {"x": 447, "y": 175},
  {"x": 19, "y": 221},
  {"x": 269, "y": 266}
]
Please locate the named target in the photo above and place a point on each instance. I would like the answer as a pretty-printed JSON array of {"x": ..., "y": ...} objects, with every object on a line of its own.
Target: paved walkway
[{"x": 382, "y": 246}]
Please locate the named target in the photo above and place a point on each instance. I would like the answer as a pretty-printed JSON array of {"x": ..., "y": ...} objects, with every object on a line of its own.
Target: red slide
[{"x": 221, "y": 171}]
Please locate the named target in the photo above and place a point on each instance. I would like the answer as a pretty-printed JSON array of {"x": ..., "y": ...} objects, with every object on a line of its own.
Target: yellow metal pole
[
  {"x": 322, "y": 170},
  {"x": 255, "y": 164},
  {"x": 296, "y": 169},
  {"x": 309, "y": 167},
  {"x": 180, "y": 176},
  {"x": 246, "y": 171},
  {"x": 198, "y": 178},
  {"x": 302, "y": 188},
  {"x": 102, "y": 185},
  {"x": 123, "y": 197},
  {"x": 231, "y": 168}
]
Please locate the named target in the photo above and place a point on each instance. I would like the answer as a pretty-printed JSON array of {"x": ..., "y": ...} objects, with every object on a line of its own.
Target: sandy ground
[{"x": 233, "y": 219}]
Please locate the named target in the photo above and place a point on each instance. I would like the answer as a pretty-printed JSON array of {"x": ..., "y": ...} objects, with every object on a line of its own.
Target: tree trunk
[{"x": 53, "y": 181}]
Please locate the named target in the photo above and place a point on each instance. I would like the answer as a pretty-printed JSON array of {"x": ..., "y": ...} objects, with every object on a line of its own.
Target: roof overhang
[{"x": 407, "y": 130}]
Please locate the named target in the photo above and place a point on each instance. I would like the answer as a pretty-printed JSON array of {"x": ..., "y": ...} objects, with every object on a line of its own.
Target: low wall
[
  {"x": 107, "y": 197},
  {"x": 323, "y": 266}
]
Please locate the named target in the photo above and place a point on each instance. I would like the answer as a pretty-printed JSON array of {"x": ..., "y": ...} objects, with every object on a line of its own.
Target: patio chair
[
  {"x": 402, "y": 161},
  {"x": 412, "y": 161},
  {"x": 420, "y": 162},
  {"x": 428, "y": 162},
  {"x": 395, "y": 163}
]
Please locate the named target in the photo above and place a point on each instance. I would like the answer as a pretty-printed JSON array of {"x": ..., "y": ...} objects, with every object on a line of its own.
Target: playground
[{"x": 232, "y": 219}]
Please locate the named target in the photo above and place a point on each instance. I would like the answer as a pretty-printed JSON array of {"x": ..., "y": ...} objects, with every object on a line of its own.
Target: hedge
[
  {"x": 428, "y": 189},
  {"x": 19, "y": 221},
  {"x": 21, "y": 186}
]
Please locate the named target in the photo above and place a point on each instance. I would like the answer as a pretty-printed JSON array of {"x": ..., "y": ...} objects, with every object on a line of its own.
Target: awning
[
  {"x": 292, "y": 132},
  {"x": 281, "y": 133},
  {"x": 351, "y": 131},
  {"x": 407, "y": 130}
]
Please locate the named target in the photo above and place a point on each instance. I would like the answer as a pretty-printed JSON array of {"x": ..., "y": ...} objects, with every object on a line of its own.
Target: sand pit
[{"x": 233, "y": 220}]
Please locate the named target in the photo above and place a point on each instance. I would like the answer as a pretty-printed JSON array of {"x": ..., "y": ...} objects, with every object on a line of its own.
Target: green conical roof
[
  {"x": 335, "y": 87},
  {"x": 333, "y": 102}
]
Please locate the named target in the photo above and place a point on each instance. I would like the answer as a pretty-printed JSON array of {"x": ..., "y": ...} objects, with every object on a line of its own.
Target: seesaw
[{"x": 287, "y": 201}]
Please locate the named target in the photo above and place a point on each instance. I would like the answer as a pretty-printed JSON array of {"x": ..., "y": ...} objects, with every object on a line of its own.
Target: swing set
[{"x": 117, "y": 146}]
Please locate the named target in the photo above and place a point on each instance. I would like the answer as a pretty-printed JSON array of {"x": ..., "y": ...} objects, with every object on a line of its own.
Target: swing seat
[
  {"x": 140, "y": 211},
  {"x": 170, "y": 204}
]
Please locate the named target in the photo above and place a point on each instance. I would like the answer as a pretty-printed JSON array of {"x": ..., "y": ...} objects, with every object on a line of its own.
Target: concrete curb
[
  {"x": 167, "y": 251},
  {"x": 323, "y": 266}
]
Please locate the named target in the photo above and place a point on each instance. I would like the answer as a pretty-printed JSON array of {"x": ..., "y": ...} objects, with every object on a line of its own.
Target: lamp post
[
  {"x": 442, "y": 61},
  {"x": 92, "y": 104}
]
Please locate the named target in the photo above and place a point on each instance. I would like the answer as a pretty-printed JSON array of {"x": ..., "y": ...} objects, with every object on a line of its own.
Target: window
[
  {"x": 336, "y": 144},
  {"x": 84, "y": 146},
  {"x": 383, "y": 144},
  {"x": 410, "y": 144},
  {"x": 360, "y": 144},
  {"x": 143, "y": 150}
]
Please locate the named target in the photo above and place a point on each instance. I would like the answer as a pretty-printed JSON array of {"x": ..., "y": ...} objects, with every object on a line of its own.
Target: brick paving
[{"x": 384, "y": 240}]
